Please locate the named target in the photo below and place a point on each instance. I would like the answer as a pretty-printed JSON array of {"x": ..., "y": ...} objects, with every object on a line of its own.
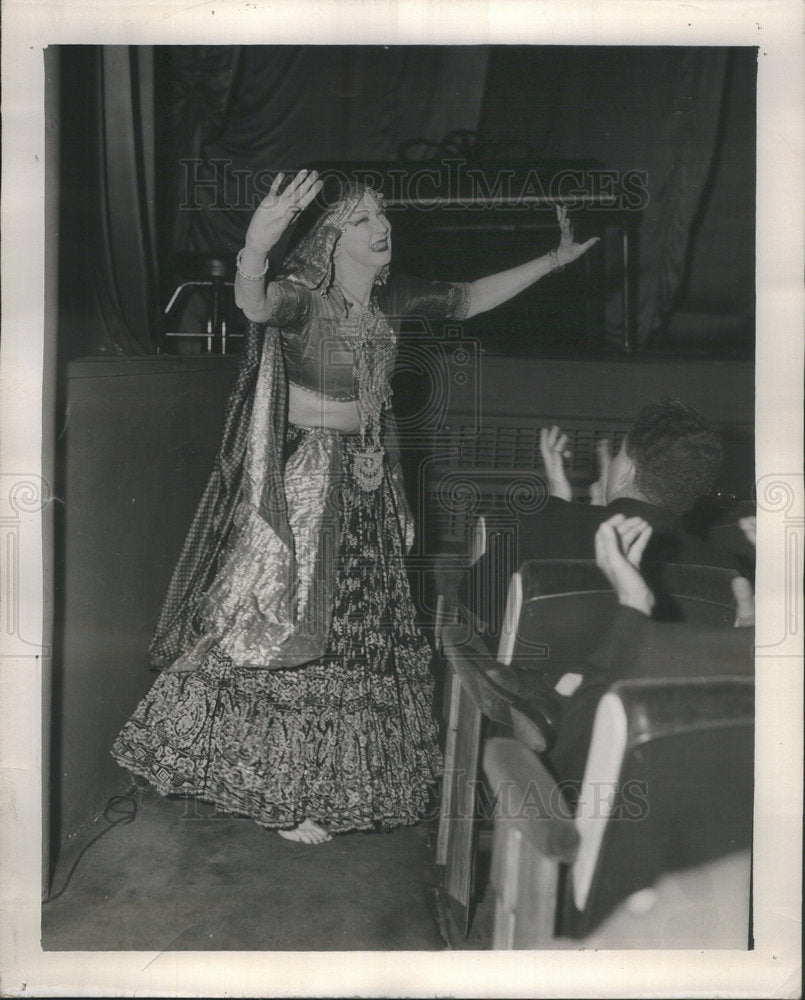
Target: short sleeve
[
  {"x": 408, "y": 296},
  {"x": 290, "y": 305}
]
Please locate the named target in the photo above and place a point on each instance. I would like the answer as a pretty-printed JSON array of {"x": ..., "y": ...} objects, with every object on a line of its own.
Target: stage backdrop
[{"x": 161, "y": 146}]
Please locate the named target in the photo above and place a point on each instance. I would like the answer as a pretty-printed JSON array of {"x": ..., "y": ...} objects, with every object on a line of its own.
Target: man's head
[{"x": 670, "y": 457}]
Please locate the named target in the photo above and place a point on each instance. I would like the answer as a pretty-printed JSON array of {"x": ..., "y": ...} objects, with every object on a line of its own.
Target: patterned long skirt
[{"x": 348, "y": 740}]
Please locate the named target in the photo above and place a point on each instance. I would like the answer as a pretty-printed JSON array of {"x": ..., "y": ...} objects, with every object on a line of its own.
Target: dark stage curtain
[
  {"x": 238, "y": 114},
  {"x": 686, "y": 137},
  {"x": 652, "y": 110},
  {"x": 108, "y": 265},
  {"x": 241, "y": 111}
]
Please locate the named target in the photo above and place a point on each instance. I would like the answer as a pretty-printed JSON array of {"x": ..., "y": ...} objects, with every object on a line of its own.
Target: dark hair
[{"x": 676, "y": 454}]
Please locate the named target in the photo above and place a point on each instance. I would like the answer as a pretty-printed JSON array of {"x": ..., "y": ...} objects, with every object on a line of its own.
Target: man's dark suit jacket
[{"x": 566, "y": 530}]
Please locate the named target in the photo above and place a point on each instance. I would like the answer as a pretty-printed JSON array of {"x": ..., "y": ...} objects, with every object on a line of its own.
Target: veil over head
[{"x": 310, "y": 261}]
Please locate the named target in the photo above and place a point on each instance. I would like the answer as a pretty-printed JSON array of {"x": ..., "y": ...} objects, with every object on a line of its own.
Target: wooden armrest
[{"x": 527, "y": 795}]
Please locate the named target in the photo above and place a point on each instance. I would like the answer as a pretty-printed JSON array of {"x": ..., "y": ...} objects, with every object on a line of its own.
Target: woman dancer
[{"x": 298, "y": 688}]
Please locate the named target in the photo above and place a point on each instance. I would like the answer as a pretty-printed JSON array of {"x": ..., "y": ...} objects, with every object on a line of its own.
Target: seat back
[
  {"x": 558, "y": 633},
  {"x": 452, "y": 572},
  {"x": 482, "y": 591},
  {"x": 560, "y": 610},
  {"x": 546, "y": 605},
  {"x": 668, "y": 786},
  {"x": 699, "y": 594}
]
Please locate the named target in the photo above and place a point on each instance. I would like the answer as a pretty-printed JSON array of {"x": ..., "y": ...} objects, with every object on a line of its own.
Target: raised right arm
[{"x": 255, "y": 296}]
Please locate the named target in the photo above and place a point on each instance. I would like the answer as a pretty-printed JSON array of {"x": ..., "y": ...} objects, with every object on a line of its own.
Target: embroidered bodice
[{"x": 319, "y": 332}]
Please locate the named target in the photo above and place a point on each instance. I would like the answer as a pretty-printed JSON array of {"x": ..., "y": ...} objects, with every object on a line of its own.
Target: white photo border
[{"x": 772, "y": 969}]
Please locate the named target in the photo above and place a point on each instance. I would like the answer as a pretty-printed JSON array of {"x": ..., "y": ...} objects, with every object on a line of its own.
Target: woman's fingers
[
  {"x": 576, "y": 250},
  {"x": 270, "y": 200},
  {"x": 635, "y": 534},
  {"x": 302, "y": 190},
  {"x": 299, "y": 179},
  {"x": 297, "y": 194},
  {"x": 603, "y": 451},
  {"x": 302, "y": 183},
  {"x": 565, "y": 225},
  {"x": 572, "y": 250},
  {"x": 311, "y": 193},
  {"x": 748, "y": 526}
]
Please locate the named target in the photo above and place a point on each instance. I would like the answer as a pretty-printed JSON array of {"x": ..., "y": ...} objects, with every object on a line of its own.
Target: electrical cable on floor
[{"x": 125, "y": 807}]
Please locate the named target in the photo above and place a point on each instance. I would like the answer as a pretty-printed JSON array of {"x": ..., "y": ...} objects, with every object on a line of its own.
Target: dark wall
[
  {"x": 138, "y": 442},
  {"x": 460, "y": 393},
  {"x": 608, "y": 103},
  {"x": 722, "y": 391}
]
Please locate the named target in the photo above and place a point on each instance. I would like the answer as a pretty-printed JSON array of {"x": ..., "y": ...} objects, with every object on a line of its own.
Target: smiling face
[{"x": 366, "y": 236}]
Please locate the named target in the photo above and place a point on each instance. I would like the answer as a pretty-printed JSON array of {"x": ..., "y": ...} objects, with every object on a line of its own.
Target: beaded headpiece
[{"x": 310, "y": 262}]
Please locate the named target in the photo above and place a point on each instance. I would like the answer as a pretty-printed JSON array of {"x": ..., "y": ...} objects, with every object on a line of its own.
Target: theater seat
[
  {"x": 666, "y": 801},
  {"x": 558, "y": 610},
  {"x": 479, "y": 691}
]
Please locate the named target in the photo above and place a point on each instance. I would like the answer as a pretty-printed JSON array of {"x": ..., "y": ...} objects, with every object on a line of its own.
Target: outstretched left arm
[{"x": 494, "y": 289}]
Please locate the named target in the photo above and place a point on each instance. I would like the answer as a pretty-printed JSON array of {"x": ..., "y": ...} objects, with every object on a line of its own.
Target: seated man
[
  {"x": 669, "y": 459},
  {"x": 637, "y": 647}
]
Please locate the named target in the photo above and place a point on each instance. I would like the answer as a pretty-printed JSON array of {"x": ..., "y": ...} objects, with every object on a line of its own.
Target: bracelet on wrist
[
  {"x": 553, "y": 260},
  {"x": 250, "y": 277}
]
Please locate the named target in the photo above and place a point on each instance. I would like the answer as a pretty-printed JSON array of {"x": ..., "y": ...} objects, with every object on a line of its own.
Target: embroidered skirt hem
[{"x": 348, "y": 740}]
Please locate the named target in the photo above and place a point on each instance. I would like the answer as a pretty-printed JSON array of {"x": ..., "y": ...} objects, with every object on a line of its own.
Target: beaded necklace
[{"x": 374, "y": 347}]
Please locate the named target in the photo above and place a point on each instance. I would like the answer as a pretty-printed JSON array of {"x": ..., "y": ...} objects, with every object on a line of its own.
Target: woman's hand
[
  {"x": 495, "y": 289},
  {"x": 553, "y": 446},
  {"x": 277, "y": 210},
  {"x": 568, "y": 251},
  {"x": 619, "y": 546}
]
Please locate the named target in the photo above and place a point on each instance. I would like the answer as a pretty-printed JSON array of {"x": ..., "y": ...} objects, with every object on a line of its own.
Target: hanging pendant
[{"x": 368, "y": 468}]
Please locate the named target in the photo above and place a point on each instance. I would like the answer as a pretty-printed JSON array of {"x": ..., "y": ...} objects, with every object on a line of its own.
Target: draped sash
[{"x": 257, "y": 573}]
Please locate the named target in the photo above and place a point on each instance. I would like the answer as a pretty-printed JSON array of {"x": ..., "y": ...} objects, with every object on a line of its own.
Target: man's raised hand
[
  {"x": 553, "y": 446},
  {"x": 619, "y": 545}
]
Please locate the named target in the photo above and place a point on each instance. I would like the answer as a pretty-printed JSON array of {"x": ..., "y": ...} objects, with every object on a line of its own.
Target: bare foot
[{"x": 307, "y": 832}]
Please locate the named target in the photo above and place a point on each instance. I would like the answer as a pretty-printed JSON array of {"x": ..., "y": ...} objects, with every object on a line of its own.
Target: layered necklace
[{"x": 374, "y": 346}]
